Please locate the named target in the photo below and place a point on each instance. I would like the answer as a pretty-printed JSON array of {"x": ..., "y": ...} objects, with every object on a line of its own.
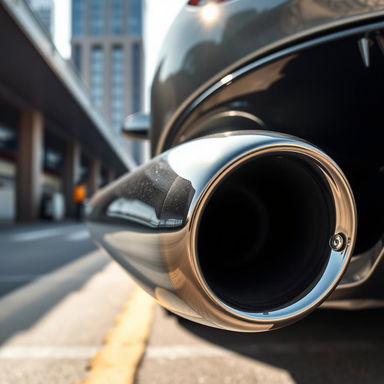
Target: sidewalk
[{"x": 51, "y": 327}]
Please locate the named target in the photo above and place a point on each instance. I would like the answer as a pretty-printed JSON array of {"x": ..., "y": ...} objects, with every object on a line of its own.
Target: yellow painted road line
[{"x": 117, "y": 361}]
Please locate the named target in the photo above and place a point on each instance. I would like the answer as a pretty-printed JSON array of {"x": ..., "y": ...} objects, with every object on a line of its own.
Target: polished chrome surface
[
  {"x": 362, "y": 267},
  {"x": 364, "y": 46},
  {"x": 362, "y": 284},
  {"x": 136, "y": 126},
  {"x": 149, "y": 221}
]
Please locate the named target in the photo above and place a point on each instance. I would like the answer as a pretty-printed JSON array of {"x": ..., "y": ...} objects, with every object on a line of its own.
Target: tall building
[
  {"x": 107, "y": 52},
  {"x": 51, "y": 136},
  {"x": 45, "y": 11}
]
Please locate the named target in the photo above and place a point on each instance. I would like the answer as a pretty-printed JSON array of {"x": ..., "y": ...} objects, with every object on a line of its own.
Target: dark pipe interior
[{"x": 263, "y": 236}]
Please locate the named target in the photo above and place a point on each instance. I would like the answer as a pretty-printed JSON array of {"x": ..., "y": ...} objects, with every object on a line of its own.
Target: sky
[
  {"x": 158, "y": 16},
  {"x": 62, "y": 21}
]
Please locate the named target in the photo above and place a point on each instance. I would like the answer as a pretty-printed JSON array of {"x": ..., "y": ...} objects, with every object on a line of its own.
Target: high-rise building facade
[
  {"x": 45, "y": 11},
  {"x": 107, "y": 52}
]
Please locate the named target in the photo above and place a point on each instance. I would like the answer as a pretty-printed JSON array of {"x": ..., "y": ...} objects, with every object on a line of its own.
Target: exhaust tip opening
[{"x": 263, "y": 236}]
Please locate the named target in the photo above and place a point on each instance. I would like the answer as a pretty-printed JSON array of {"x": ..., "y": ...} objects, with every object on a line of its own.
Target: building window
[
  {"x": 77, "y": 57},
  {"x": 117, "y": 88},
  {"x": 78, "y": 17},
  {"x": 97, "y": 76},
  {"x": 136, "y": 77},
  {"x": 134, "y": 18},
  {"x": 45, "y": 15},
  {"x": 44, "y": 10},
  {"x": 97, "y": 21},
  {"x": 117, "y": 17}
]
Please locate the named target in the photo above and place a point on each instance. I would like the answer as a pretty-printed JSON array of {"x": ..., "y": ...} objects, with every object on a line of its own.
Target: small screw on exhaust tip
[{"x": 337, "y": 242}]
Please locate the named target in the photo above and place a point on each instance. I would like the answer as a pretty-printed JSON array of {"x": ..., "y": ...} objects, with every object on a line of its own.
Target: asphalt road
[
  {"x": 30, "y": 251},
  {"x": 59, "y": 297},
  {"x": 329, "y": 346}
]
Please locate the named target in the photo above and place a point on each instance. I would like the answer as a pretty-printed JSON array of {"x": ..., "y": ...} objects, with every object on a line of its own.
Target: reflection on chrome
[
  {"x": 139, "y": 212},
  {"x": 232, "y": 230}
]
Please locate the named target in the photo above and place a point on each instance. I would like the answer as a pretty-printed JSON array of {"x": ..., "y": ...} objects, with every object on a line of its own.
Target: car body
[{"x": 264, "y": 198}]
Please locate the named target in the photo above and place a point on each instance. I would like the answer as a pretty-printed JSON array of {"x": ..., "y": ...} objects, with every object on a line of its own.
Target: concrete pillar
[
  {"x": 29, "y": 165},
  {"x": 111, "y": 175},
  {"x": 94, "y": 175},
  {"x": 71, "y": 175}
]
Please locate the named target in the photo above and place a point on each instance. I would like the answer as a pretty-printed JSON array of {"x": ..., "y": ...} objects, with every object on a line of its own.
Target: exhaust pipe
[{"x": 246, "y": 231}]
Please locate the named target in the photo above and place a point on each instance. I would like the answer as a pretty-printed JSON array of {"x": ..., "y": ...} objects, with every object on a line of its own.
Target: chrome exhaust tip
[
  {"x": 247, "y": 231},
  {"x": 273, "y": 235}
]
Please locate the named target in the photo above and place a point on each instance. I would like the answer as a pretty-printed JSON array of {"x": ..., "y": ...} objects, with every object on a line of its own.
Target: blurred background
[
  {"x": 70, "y": 72},
  {"x": 74, "y": 69}
]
